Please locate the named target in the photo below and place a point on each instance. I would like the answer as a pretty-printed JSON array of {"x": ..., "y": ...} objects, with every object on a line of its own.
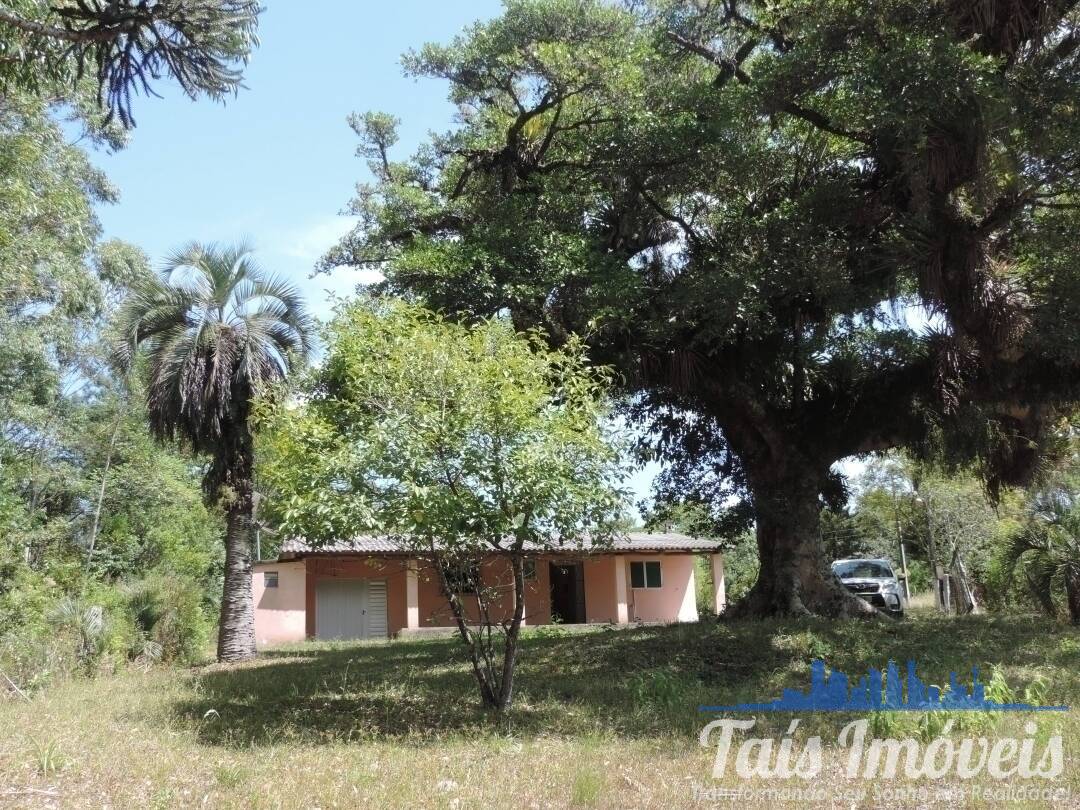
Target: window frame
[
  {"x": 645, "y": 586},
  {"x": 271, "y": 579}
]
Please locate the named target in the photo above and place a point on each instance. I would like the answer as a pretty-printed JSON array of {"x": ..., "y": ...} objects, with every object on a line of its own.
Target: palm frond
[
  {"x": 215, "y": 329},
  {"x": 1047, "y": 549}
]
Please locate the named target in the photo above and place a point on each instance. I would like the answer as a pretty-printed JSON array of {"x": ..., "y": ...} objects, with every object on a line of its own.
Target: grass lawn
[{"x": 601, "y": 719}]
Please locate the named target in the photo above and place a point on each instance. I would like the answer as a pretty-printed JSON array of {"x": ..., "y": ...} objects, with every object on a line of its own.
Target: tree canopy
[
  {"x": 461, "y": 442},
  {"x": 801, "y": 231}
]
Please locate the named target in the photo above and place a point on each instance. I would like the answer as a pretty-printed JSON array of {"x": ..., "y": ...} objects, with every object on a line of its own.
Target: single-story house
[{"x": 373, "y": 587}]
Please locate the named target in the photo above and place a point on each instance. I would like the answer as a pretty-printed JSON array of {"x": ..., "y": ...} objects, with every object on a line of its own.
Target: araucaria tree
[
  {"x": 801, "y": 230},
  {"x": 217, "y": 332},
  {"x": 469, "y": 445},
  {"x": 124, "y": 46}
]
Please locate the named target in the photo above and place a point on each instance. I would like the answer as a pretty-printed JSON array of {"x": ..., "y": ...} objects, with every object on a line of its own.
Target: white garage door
[{"x": 350, "y": 608}]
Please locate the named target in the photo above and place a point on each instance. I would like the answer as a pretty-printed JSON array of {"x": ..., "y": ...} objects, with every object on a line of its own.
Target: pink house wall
[
  {"x": 435, "y": 612},
  {"x": 434, "y": 608},
  {"x": 279, "y": 612},
  {"x": 287, "y": 613},
  {"x": 600, "y": 603},
  {"x": 676, "y": 600}
]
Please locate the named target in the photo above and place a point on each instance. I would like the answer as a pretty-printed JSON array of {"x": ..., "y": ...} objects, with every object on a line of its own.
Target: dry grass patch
[{"x": 604, "y": 719}]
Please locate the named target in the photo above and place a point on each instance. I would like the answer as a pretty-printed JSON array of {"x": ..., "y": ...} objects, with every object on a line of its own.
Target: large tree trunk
[
  {"x": 236, "y": 630},
  {"x": 233, "y": 472},
  {"x": 794, "y": 577}
]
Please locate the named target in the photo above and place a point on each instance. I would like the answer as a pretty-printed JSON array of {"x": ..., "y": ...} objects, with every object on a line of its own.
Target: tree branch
[
  {"x": 686, "y": 227},
  {"x": 732, "y": 68},
  {"x": 100, "y": 34},
  {"x": 729, "y": 67},
  {"x": 819, "y": 121}
]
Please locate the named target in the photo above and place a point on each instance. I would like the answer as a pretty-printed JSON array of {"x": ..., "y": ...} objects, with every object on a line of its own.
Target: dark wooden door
[{"x": 568, "y": 592}]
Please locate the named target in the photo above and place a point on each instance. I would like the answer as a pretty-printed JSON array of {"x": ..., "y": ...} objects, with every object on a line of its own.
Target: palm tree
[
  {"x": 1047, "y": 549},
  {"x": 217, "y": 331}
]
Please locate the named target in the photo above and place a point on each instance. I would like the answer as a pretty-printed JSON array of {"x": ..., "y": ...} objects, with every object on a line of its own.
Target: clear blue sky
[{"x": 277, "y": 163}]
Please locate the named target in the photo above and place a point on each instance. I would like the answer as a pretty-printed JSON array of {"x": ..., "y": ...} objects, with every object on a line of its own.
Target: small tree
[{"x": 462, "y": 443}]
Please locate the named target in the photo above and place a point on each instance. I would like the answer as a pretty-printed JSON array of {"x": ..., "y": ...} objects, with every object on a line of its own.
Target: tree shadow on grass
[{"x": 644, "y": 682}]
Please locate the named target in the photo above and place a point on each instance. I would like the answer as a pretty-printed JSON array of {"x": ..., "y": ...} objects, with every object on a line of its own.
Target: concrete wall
[{"x": 279, "y": 612}]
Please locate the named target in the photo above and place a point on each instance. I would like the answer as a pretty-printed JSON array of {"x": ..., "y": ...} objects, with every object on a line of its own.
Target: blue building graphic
[{"x": 878, "y": 691}]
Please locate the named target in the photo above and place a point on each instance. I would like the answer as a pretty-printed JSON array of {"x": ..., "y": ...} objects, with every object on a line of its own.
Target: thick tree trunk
[
  {"x": 236, "y": 630},
  {"x": 231, "y": 483},
  {"x": 794, "y": 577}
]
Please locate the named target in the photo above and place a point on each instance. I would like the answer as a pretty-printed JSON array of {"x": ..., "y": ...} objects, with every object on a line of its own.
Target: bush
[
  {"x": 169, "y": 618},
  {"x": 919, "y": 579},
  {"x": 50, "y": 631}
]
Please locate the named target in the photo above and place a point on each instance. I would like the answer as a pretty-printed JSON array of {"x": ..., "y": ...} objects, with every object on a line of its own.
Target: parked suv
[{"x": 874, "y": 581}]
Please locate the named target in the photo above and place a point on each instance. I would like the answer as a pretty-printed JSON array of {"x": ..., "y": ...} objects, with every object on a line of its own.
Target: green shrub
[
  {"x": 50, "y": 630},
  {"x": 167, "y": 612},
  {"x": 918, "y": 575}
]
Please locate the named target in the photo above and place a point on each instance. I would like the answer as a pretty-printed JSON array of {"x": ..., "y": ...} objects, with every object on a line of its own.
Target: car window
[{"x": 862, "y": 569}]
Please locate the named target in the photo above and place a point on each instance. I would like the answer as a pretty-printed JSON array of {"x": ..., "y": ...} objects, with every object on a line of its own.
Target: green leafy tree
[
  {"x": 55, "y": 293},
  {"x": 463, "y": 443},
  {"x": 111, "y": 510},
  {"x": 87, "y": 503},
  {"x": 217, "y": 331},
  {"x": 51, "y": 294},
  {"x": 126, "y": 45},
  {"x": 944, "y": 510},
  {"x": 802, "y": 231},
  {"x": 140, "y": 506}
]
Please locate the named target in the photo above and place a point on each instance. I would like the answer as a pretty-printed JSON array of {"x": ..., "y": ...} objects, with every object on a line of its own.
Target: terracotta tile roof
[{"x": 630, "y": 542}]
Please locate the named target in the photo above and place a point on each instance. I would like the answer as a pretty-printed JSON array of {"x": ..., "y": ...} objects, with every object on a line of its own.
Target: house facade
[{"x": 371, "y": 587}]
